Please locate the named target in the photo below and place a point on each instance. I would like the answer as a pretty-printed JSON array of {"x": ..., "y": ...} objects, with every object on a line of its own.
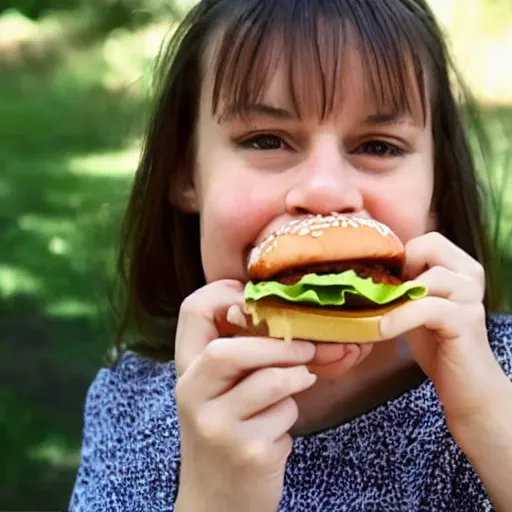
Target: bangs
[{"x": 313, "y": 39}]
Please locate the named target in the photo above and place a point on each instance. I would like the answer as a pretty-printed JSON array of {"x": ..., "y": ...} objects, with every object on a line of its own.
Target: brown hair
[{"x": 159, "y": 260}]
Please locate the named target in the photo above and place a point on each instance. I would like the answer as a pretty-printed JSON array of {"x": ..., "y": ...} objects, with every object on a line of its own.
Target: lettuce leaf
[{"x": 331, "y": 290}]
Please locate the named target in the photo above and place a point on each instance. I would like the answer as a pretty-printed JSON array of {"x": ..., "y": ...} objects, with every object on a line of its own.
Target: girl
[{"x": 273, "y": 110}]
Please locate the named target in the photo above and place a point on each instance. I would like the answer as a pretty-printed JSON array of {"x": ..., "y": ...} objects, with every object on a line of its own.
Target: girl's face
[{"x": 256, "y": 173}]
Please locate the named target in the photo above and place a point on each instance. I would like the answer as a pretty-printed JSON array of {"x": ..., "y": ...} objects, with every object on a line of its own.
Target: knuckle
[
  {"x": 254, "y": 454},
  {"x": 410, "y": 246},
  {"x": 478, "y": 271},
  {"x": 432, "y": 238},
  {"x": 183, "y": 396},
  {"x": 437, "y": 272},
  {"x": 216, "y": 355},
  {"x": 429, "y": 243},
  {"x": 180, "y": 392},
  {"x": 279, "y": 382},
  {"x": 190, "y": 306},
  {"x": 286, "y": 447},
  {"x": 435, "y": 236},
  {"x": 417, "y": 246},
  {"x": 199, "y": 301},
  {"x": 479, "y": 313},
  {"x": 210, "y": 426},
  {"x": 231, "y": 284},
  {"x": 291, "y": 410},
  {"x": 444, "y": 308},
  {"x": 439, "y": 308},
  {"x": 189, "y": 309}
]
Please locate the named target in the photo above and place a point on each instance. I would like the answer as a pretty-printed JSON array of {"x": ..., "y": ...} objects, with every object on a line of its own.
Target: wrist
[
  {"x": 192, "y": 502},
  {"x": 486, "y": 420},
  {"x": 196, "y": 498}
]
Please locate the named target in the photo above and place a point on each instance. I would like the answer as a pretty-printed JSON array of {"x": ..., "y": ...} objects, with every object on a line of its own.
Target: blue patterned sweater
[{"x": 397, "y": 457}]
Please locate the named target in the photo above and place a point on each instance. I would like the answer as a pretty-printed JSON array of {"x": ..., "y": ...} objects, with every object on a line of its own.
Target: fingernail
[
  {"x": 236, "y": 317},
  {"x": 312, "y": 377}
]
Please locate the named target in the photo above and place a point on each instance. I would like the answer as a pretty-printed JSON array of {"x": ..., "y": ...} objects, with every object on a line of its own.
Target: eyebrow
[
  {"x": 234, "y": 111},
  {"x": 256, "y": 109},
  {"x": 387, "y": 119}
]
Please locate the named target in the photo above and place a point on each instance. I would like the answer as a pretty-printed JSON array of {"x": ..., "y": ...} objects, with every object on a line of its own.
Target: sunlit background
[{"x": 74, "y": 96}]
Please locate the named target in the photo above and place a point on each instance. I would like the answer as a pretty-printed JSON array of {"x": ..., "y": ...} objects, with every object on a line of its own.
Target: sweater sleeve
[
  {"x": 130, "y": 448},
  {"x": 468, "y": 492},
  {"x": 500, "y": 340}
]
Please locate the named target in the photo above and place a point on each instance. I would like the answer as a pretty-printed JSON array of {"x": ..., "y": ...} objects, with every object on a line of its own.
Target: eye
[
  {"x": 264, "y": 143},
  {"x": 380, "y": 148}
]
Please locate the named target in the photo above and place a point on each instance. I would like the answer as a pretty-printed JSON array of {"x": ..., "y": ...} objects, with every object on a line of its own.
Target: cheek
[
  {"x": 404, "y": 205},
  {"x": 233, "y": 213}
]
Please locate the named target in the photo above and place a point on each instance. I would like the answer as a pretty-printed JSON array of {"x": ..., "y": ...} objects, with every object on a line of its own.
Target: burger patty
[{"x": 364, "y": 269}]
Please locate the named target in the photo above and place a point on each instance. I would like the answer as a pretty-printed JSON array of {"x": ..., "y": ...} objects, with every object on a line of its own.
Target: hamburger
[{"x": 327, "y": 279}]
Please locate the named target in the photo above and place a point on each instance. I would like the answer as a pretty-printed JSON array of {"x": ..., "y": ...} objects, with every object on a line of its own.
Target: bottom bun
[{"x": 290, "y": 321}]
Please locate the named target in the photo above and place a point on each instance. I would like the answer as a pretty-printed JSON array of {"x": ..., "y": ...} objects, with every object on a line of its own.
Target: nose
[{"x": 325, "y": 184}]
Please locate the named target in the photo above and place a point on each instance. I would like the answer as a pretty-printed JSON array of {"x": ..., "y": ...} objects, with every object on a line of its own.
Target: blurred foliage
[
  {"x": 74, "y": 98},
  {"x": 480, "y": 35},
  {"x": 102, "y": 15},
  {"x": 64, "y": 182},
  {"x": 70, "y": 122}
]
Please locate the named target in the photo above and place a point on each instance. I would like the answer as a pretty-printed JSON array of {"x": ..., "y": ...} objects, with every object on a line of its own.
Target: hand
[
  {"x": 235, "y": 404},
  {"x": 446, "y": 331}
]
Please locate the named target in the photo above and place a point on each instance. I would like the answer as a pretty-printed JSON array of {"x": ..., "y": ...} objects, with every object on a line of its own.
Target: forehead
[
  {"x": 314, "y": 73},
  {"x": 306, "y": 99}
]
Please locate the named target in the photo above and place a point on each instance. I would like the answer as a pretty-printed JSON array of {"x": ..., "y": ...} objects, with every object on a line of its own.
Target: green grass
[
  {"x": 67, "y": 157},
  {"x": 67, "y": 152},
  {"x": 496, "y": 180}
]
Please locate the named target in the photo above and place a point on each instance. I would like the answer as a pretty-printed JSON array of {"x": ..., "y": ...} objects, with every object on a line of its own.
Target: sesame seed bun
[{"x": 324, "y": 239}]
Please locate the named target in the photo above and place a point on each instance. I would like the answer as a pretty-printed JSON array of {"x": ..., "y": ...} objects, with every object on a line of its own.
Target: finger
[
  {"x": 259, "y": 446},
  {"x": 353, "y": 355},
  {"x": 433, "y": 249},
  {"x": 225, "y": 361},
  {"x": 454, "y": 286},
  {"x": 235, "y": 316},
  {"x": 327, "y": 353},
  {"x": 437, "y": 314},
  {"x": 263, "y": 389},
  {"x": 273, "y": 423},
  {"x": 365, "y": 350},
  {"x": 203, "y": 318}
]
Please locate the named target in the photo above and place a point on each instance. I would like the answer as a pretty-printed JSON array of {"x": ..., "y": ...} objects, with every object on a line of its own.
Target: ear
[{"x": 185, "y": 198}]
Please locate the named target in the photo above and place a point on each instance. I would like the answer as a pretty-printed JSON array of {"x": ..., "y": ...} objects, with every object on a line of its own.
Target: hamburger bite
[{"x": 327, "y": 279}]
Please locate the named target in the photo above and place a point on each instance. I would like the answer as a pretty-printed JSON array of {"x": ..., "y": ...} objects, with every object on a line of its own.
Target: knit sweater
[{"x": 397, "y": 457}]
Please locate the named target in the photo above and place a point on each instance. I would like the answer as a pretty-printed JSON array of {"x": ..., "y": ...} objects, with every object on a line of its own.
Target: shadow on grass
[
  {"x": 59, "y": 217},
  {"x": 55, "y": 331}
]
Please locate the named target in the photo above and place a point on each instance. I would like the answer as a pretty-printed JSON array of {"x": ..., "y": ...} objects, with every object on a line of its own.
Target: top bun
[{"x": 323, "y": 239}]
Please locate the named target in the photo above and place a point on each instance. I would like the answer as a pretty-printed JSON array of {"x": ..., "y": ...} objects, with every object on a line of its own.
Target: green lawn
[
  {"x": 67, "y": 157},
  {"x": 67, "y": 152}
]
